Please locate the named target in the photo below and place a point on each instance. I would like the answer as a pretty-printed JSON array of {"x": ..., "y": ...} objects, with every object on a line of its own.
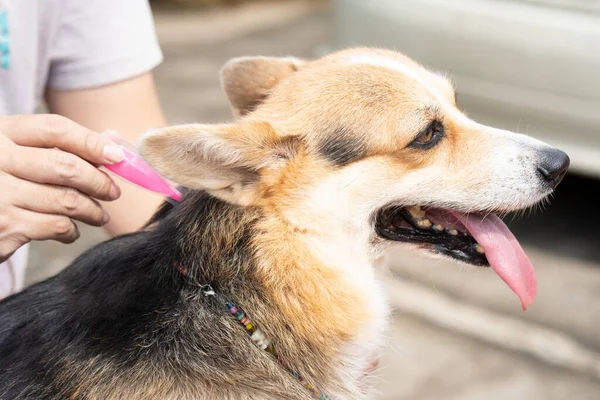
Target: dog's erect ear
[
  {"x": 248, "y": 80},
  {"x": 224, "y": 159}
]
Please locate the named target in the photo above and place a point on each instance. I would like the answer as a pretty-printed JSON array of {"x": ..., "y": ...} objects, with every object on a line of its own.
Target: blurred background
[{"x": 524, "y": 65}]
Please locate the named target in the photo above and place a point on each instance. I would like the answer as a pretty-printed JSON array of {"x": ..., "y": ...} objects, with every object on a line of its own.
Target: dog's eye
[
  {"x": 429, "y": 137},
  {"x": 425, "y": 137}
]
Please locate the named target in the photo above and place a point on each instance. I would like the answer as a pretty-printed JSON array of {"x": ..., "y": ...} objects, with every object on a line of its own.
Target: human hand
[{"x": 49, "y": 176}]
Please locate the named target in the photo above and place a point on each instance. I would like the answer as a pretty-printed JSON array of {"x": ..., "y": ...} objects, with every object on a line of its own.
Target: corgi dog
[{"x": 266, "y": 281}]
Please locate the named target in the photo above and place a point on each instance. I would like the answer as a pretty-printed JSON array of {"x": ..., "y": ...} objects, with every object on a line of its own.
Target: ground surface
[{"x": 458, "y": 334}]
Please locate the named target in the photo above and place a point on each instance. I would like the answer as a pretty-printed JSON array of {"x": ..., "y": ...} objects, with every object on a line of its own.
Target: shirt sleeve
[{"x": 99, "y": 42}]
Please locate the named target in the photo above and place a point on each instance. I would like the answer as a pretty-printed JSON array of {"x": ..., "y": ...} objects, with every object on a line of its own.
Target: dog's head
[{"x": 369, "y": 146}]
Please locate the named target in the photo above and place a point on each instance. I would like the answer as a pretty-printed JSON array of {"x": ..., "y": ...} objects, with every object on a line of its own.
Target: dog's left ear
[
  {"x": 248, "y": 80},
  {"x": 226, "y": 159}
]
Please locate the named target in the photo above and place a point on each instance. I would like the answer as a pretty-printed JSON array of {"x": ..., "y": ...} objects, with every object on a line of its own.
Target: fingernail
[
  {"x": 113, "y": 153},
  {"x": 114, "y": 192},
  {"x": 106, "y": 217}
]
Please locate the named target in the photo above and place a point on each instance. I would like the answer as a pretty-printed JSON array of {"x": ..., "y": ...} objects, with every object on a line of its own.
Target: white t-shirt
[{"x": 67, "y": 44}]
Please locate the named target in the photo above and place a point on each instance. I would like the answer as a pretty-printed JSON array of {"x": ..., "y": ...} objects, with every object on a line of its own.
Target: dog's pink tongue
[{"x": 504, "y": 253}]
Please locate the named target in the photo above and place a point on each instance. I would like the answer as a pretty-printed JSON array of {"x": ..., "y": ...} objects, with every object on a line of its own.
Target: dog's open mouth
[{"x": 477, "y": 239}]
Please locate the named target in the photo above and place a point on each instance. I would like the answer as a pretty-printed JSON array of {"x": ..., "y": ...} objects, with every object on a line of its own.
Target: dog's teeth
[
  {"x": 416, "y": 212},
  {"x": 453, "y": 232},
  {"x": 424, "y": 223},
  {"x": 479, "y": 248},
  {"x": 438, "y": 227}
]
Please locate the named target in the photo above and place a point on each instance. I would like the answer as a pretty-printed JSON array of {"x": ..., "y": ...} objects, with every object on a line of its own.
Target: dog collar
[{"x": 257, "y": 336}]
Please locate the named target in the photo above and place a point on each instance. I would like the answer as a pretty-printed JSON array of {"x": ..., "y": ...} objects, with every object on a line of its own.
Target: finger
[
  {"x": 59, "y": 200},
  {"x": 57, "y": 131},
  {"x": 37, "y": 226},
  {"x": 57, "y": 167}
]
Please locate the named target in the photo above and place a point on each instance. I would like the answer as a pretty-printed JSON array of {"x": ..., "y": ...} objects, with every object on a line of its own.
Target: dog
[{"x": 266, "y": 280}]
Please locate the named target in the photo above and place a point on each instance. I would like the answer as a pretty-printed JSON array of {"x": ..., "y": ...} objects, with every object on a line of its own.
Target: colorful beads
[{"x": 259, "y": 338}]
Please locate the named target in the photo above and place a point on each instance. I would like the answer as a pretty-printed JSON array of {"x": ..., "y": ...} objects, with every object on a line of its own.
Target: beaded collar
[{"x": 256, "y": 335}]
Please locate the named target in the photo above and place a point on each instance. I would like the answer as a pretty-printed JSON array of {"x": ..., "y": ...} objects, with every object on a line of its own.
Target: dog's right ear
[{"x": 248, "y": 80}]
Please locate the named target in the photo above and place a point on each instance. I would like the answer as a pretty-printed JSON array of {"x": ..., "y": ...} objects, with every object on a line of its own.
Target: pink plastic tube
[{"x": 135, "y": 170}]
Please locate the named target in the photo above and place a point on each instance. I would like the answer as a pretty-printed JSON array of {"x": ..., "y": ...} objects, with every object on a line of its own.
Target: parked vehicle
[{"x": 531, "y": 66}]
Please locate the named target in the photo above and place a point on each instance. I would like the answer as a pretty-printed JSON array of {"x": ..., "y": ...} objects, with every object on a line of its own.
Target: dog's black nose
[{"x": 553, "y": 166}]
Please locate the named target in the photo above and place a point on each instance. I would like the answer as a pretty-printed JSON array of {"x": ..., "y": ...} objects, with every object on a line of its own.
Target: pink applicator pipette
[{"x": 135, "y": 170}]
